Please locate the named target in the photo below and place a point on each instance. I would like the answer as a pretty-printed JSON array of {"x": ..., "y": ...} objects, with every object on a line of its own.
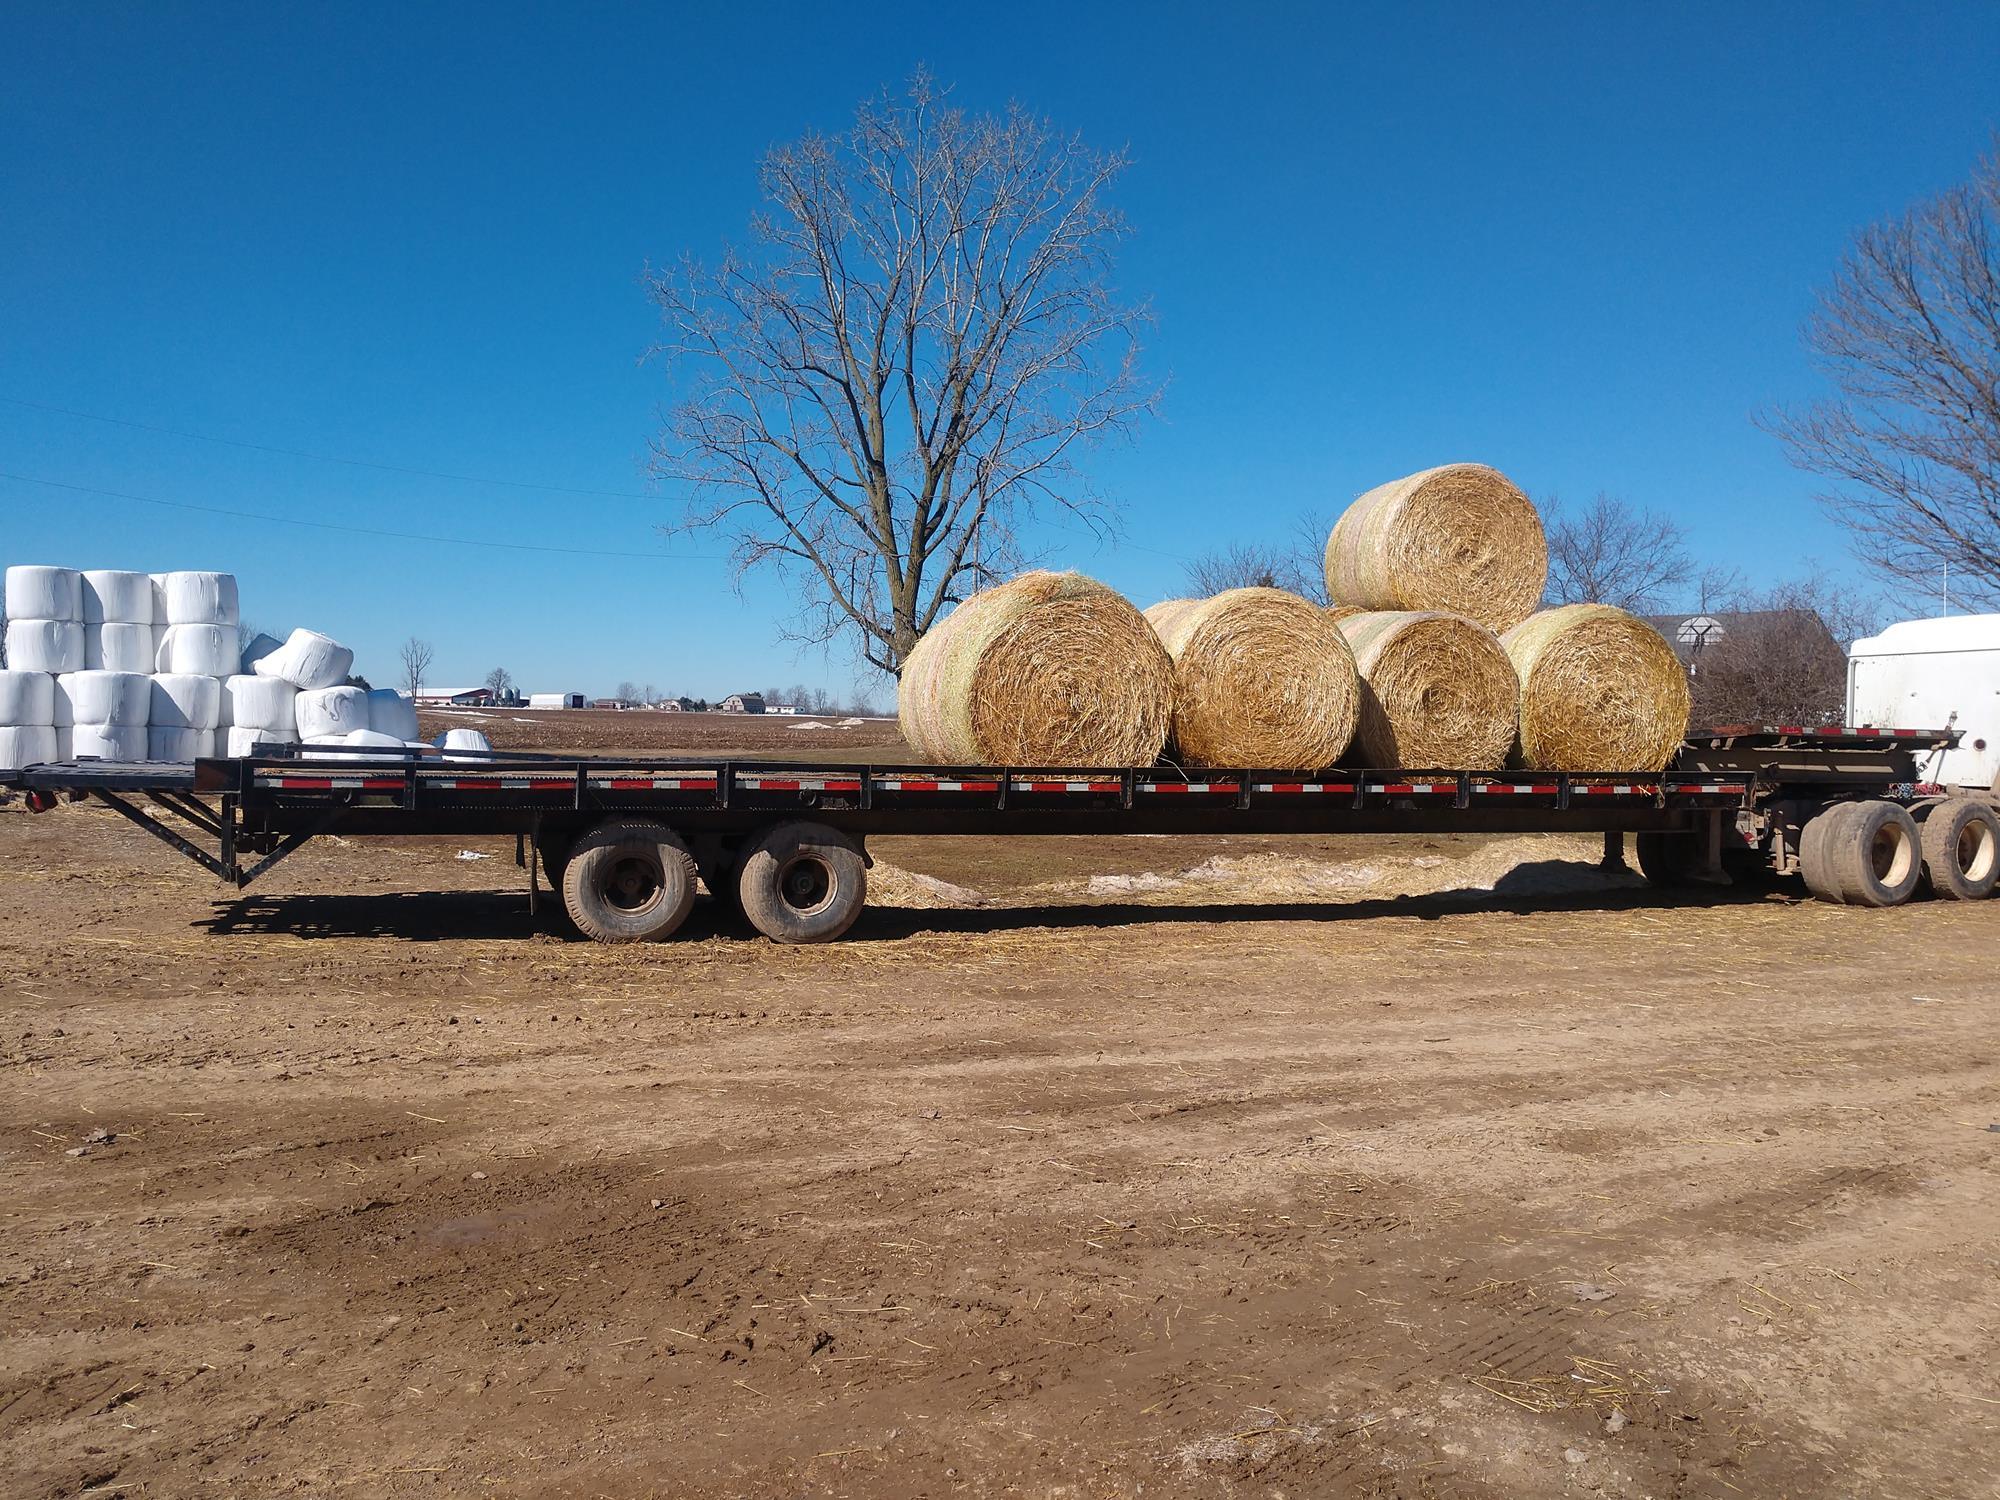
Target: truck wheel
[
  {"x": 628, "y": 881},
  {"x": 1813, "y": 841},
  {"x": 1961, "y": 844},
  {"x": 1669, "y": 859},
  {"x": 1876, "y": 855},
  {"x": 802, "y": 883}
]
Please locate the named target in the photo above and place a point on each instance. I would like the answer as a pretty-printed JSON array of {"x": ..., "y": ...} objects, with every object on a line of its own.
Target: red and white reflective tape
[
  {"x": 503, "y": 783},
  {"x": 793, "y": 784},
  {"x": 1704, "y": 790},
  {"x": 655, "y": 783},
  {"x": 1516, "y": 789},
  {"x": 332, "y": 783},
  {"x": 1413, "y": 788},
  {"x": 908, "y": 784},
  {"x": 1188, "y": 786},
  {"x": 1066, "y": 786},
  {"x": 1599, "y": 790},
  {"x": 1297, "y": 787}
]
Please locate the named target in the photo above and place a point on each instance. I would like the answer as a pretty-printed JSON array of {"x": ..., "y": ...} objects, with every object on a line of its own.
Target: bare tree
[
  {"x": 647, "y": 695},
  {"x": 1611, "y": 552},
  {"x": 627, "y": 691},
  {"x": 1908, "y": 333},
  {"x": 1783, "y": 656},
  {"x": 1297, "y": 563},
  {"x": 500, "y": 682},
  {"x": 904, "y": 363},
  {"x": 416, "y": 664}
]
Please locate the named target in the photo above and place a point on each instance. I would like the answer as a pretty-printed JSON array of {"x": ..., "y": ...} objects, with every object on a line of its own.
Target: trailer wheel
[
  {"x": 802, "y": 883},
  {"x": 628, "y": 881},
  {"x": 1669, "y": 859},
  {"x": 1876, "y": 854},
  {"x": 1961, "y": 844},
  {"x": 1813, "y": 841}
]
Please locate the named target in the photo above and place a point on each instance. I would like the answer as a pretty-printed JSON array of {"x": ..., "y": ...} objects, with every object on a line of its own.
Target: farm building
[
  {"x": 479, "y": 697},
  {"x": 1690, "y": 635},
  {"x": 743, "y": 703},
  {"x": 555, "y": 700},
  {"x": 675, "y": 705}
]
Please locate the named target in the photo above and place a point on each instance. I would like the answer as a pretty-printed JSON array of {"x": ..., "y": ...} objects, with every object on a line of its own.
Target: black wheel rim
[
  {"x": 806, "y": 884},
  {"x": 632, "y": 885}
]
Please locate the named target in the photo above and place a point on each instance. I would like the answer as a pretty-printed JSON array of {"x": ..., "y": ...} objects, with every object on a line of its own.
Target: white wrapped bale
[
  {"x": 467, "y": 740},
  {"x": 392, "y": 713},
  {"x": 240, "y": 742},
  {"x": 361, "y": 745},
  {"x": 179, "y": 745},
  {"x": 308, "y": 660},
  {"x": 329, "y": 711},
  {"x": 107, "y": 698},
  {"x": 44, "y": 645},
  {"x": 27, "y": 699},
  {"x": 182, "y": 700},
  {"x": 119, "y": 646},
  {"x": 256, "y": 649},
  {"x": 26, "y": 745},
  {"x": 115, "y": 598},
  {"x": 123, "y": 742},
  {"x": 35, "y": 592},
  {"x": 200, "y": 599},
  {"x": 203, "y": 650},
  {"x": 262, "y": 703}
]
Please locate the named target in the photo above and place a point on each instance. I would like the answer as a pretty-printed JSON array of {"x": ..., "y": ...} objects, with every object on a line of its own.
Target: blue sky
[{"x": 1574, "y": 242}]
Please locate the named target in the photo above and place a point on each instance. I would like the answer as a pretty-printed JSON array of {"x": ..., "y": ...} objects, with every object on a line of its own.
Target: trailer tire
[
  {"x": 1961, "y": 844},
  {"x": 802, "y": 883},
  {"x": 1875, "y": 854},
  {"x": 628, "y": 881},
  {"x": 1813, "y": 839},
  {"x": 1669, "y": 859}
]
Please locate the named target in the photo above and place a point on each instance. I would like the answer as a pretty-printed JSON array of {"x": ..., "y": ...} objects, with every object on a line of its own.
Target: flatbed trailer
[{"x": 626, "y": 841}]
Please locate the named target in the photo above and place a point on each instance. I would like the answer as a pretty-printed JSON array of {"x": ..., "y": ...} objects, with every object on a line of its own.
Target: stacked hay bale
[
  {"x": 1261, "y": 678},
  {"x": 1438, "y": 691},
  {"x": 1048, "y": 669},
  {"x": 1601, "y": 690},
  {"x": 1460, "y": 538}
]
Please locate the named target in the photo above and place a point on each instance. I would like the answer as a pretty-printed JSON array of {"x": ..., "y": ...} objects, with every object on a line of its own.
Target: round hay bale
[
  {"x": 1339, "y": 612},
  {"x": 1601, "y": 690},
  {"x": 1048, "y": 669},
  {"x": 1261, "y": 678},
  {"x": 1438, "y": 691},
  {"x": 1460, "y": 538}
]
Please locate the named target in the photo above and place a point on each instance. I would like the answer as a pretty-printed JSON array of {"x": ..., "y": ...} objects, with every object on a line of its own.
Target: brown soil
[{"x": 1088, "y": 1168}]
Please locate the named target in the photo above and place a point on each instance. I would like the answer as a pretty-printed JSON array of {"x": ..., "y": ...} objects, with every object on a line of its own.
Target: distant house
[
  {"x": 479, "y": 697},
  {"x": 555, "y": 700},
  {"x": 742, "y": 703},
  {"x": 612, "y": 703},
  {"x": 676, "y": 705},
  {"x": 781, "y": 708}
]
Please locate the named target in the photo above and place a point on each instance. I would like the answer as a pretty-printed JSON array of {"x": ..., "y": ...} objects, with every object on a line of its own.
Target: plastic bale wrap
[
  {"x": 238, "y": 742},
  {"x": 27, "y": 699},
  {"x": 115, "y": 598},
  {"x": 119, "y": 646},
  {"x": 199, "y": 599},
  {"x": 464, "y": 744},
  {"x": 180, "y": 745},
  {"x": 44, "y": 645},
  {"x": 264, "y": 703},
  {"x": 362, "y": 745},
  {"x": 184, "y": 701},
  {"x": 26, "y": 745},
  {"x": 1461, "y": 538},
  {"x": 1049, "y": 669},
  {"x": 331, "y": 711},
  {"x": 308, "y": 660},
  {"x": 36, "y": 592},
  {"x": 392, "y": 713},
  {"x": 1438, "y": 691},
  {"x": 202, "y": 650},
  {"x": 111, "y": 698},
  {"x": 1601, "y": 690},
  {"x": 1261, "y": 678},
  {"x": 255, "y": 650},
  {"x": 120, "y": 742}
]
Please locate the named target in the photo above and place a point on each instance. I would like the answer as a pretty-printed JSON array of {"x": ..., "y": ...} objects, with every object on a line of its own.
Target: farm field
[
  {"x": 605, "y": 731},
  {"x": 1374, "y": 1167}
]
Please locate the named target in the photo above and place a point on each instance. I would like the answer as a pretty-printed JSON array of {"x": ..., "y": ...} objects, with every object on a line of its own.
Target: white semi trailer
[{"x": 1943, "y": 672}]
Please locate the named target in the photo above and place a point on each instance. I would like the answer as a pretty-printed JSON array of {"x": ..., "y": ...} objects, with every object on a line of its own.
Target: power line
[
  {"x": 401, "y": 536},
  {"x": 326, "y": 458}
]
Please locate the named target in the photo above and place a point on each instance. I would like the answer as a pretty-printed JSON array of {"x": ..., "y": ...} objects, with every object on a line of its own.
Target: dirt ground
[{"x": 1091, "y": 1168}]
